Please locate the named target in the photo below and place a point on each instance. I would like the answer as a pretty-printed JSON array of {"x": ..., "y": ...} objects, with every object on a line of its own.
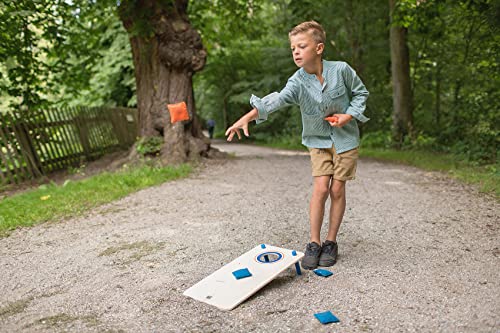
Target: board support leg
[
  {"x": 297, "y": 265},
  {"x": 297, "y": 268}
]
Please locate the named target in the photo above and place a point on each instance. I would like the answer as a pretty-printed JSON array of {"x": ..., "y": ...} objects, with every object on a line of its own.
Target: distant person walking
[{"x": 211, "y": 128}]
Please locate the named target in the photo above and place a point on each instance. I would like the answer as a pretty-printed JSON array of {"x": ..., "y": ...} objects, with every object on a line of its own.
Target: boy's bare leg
[
  {"x": 337, "y": 195},
  {"x": 321, "y": 185}
]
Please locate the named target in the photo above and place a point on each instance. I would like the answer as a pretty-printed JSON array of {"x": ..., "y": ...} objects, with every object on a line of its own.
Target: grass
[
  {"x": 19, "y": 306},
  {"x": 62, "y": 320},
  {"x": 53, "y": 202},
  {"x": 486, "y": 177},
  {"x": 15, "y": 307},
  {"x": 139, "y": 249}
]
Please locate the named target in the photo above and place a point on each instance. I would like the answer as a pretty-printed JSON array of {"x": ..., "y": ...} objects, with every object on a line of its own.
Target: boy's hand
[
  {"x": 240, "y": 124},
  {"x": 342, "y": 119}
]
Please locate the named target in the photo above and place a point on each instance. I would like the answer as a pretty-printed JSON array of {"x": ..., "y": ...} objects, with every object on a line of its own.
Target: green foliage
[
  {"x": 378, "y": 139},
  {"x": 455, "y": 74},
  {"x": 382, "y": 139},
  {"x": 23, "y": 26},
  {"x": 149, "y": 145},
  {"x": 219, "y": 21},
  {"x": 109, "y": 76},
  {"x": 404, "y": 12},
  {"x": 56, "y": 53},
  {"x": 53, "y": 202}
]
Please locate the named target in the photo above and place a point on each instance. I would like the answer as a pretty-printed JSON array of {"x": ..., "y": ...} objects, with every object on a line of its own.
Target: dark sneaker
[
  {"x": 311, "y": 257},
  {"x": 328, "y": 255}
]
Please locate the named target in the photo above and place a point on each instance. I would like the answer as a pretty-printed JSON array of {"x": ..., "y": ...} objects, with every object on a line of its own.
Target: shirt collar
[{"x": 311, "y": 77}]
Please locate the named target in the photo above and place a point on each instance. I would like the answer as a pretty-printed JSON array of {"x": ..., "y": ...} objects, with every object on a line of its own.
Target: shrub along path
[{"x": 418, "y": 252}]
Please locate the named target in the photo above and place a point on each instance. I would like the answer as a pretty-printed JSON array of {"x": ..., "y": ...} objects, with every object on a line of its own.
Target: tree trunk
[
  {"x": 167, "y": 51},
  {"x": 224, "y": 114},
  {"x": 468, "y": 38},
  {"x": 438, "y": 96},
  {"x": 402, "y": 119}
]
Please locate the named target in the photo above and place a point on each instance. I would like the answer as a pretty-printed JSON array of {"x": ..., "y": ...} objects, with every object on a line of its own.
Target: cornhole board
[{"x": 223, "y": 290}]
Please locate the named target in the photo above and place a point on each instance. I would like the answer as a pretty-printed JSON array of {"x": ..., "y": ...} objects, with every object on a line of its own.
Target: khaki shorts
[{"x": 326, "y": 161}]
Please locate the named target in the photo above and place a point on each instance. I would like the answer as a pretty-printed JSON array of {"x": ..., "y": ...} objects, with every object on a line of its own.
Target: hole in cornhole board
[{"x": 269, "y": 257}]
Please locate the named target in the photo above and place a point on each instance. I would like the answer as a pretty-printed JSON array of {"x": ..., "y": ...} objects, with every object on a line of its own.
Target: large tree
[{"x": 167, "y": 51}]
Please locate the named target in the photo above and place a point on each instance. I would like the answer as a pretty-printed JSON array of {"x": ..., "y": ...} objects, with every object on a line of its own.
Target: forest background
[{"x": 69, "y": 53}]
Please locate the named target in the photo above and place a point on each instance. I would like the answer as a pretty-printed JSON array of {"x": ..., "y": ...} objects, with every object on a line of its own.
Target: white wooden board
[{"x": 224, "y": 291}]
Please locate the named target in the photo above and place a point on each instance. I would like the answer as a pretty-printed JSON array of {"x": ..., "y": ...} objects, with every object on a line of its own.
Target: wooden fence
[{"x": 38, "y": 143}]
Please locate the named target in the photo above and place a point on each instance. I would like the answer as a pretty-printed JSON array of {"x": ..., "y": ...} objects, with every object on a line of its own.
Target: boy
[{"x": 321, "y": 88}]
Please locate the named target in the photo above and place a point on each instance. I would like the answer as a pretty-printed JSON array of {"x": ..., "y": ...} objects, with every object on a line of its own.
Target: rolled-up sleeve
[
  {"x": 275, "y": 101},
  {"x": 359, "y": 94}
]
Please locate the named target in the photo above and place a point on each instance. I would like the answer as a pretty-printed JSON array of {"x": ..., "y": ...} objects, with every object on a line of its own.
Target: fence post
[
  {"x": 33, "y": 163},
  {"x": 132, "y": 125},
  {"x": 83, "y": 134},
  {"x": 113, "y": 117},
  {"x": 7, "y": 176}
]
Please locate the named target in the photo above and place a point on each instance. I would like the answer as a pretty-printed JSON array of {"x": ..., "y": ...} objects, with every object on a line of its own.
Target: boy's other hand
[
  {"x": 236, "y": 129},
  {"x": 242, "y": 123},
  {"x": 343, "y": 119}
]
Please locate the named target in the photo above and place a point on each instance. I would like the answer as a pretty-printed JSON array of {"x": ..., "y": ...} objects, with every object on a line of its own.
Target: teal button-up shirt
[{"x": 342, "y": 92}]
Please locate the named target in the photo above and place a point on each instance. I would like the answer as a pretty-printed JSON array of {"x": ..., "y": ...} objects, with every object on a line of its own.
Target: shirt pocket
[
  {"x": 337, "y": 100},
  {"x": 315, "y": 126}
]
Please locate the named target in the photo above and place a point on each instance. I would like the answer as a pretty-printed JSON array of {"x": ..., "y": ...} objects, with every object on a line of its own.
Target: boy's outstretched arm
[
  {"x": 242, "y": 123},
  {"x": 262, "y": 107}
]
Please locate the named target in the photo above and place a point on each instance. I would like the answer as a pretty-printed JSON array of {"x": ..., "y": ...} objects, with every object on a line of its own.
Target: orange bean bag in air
[{"x": 178, "y": 112}]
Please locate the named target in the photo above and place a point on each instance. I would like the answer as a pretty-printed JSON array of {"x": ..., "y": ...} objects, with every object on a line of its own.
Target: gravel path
[{"x": 418, "y": 253}]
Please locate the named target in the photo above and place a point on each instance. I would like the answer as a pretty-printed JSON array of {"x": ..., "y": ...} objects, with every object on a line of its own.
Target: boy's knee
[
  {"x": 321, "y": 191},
  {"x": 337, "y": 191}
]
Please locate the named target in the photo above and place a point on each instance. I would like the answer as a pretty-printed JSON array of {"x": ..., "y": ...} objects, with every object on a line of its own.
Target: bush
[
  {"x": 379, "y": 139},
  {"x": 149, "y": 145},
  {"x": 424, "y": 142}
]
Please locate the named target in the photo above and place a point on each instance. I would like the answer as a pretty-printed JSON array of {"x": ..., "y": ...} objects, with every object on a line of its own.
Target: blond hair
[{"x": 317, "y": 32}]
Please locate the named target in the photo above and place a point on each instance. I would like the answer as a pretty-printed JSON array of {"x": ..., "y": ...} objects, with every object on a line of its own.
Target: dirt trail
[{"x": 418, "y": 253}]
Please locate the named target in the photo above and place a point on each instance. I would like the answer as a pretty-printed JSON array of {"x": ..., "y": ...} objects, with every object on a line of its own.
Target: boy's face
[{"x": 305, "y": 50}]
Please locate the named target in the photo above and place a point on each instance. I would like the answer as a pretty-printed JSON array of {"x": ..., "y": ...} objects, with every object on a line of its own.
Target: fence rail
[{"x": 40, "y": 142}]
